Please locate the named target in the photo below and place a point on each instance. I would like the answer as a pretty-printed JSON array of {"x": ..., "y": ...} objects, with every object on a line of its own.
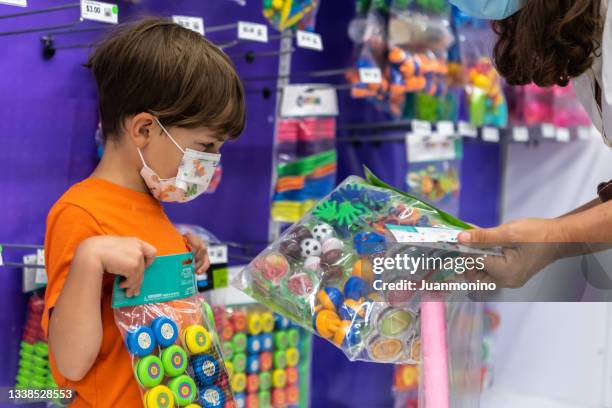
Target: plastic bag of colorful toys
[
  {"x": 169, "y": 333},
  {"x": 434, "y": 164},
  {"x": 284, "y": 14},
  {"x": 486, "y": 100},
  {"x": 322, "y": 272}
]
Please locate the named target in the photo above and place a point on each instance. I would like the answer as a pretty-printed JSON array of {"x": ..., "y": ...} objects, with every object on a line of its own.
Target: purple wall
[{"x": 48, "y": 116}]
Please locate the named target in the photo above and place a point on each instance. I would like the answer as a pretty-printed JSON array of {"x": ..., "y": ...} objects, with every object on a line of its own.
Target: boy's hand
[
  {"x": 126, "y": 257},
  {"x": 200, "y": 252}
]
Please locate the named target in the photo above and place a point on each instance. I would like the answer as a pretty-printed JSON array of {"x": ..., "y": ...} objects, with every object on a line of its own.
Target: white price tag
[
  {"x": 370, "y": 75},
  {"x": 41, "y": 273},
  {"x": 1, "y": 261},
  {"x": 20, "y": 3},
  {"x": 467, "y": 129},
  {"x": 562, "y": 135},
  {"x": 584, "y": 132},
  {"x": 217, "y": 254},
  {"x": 490, "y": 134},
  {"x": 312, "y": 41},
  {"x": 421, "y": 127},
  {"x": 191, "y": 23},
  {"x": 252, "y": 31},
  {"x": 446, "y": 128},
  {"x": 99, "y": 11},
  {"x": 548, "y": 131},
  {"x": 430, "y": 147},
  {"x": 520, "y": 134}
]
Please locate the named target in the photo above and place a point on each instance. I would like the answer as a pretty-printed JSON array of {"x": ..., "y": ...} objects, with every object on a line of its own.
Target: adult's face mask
[{"x": 489, "y": 9}]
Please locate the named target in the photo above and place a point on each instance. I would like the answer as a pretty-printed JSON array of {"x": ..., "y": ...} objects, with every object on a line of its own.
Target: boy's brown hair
[{"x": 157, "y": 66}]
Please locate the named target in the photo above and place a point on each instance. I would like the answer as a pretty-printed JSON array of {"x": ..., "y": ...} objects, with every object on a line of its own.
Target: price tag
[
  {"x": 312, "y": 41},
  {"x": 99, "y": 11},
  {"x": 520, "y": 134},
  {"x": 252, "y": 31},
  {"x": 563, "y": 135},
  {"x": 548, "y": 131},
  {"x": 446, "y": 128},
  {"x": 217, "y": 254},
  {"x": 584, "y": 132},
  {"x": 430, "y": 147},
  {"x": 490, "y": 134},
  {"x": 41, "y": 274},
  {"x": 191, "y": 23},
  {"x": 370, "y": 75},
  {"x": 20, "y": 3},
  {"x": 467, "y": 129},
  {"x": 1, "y": 262},
  {"x": 421, "y": 127},
  {"x": 308, "y": 100}
]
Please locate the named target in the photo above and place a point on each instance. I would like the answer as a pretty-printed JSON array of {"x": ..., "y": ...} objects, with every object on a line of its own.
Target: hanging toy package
[
  {"x": 486, "y": 100},
  {"x": 419, "y": 38},
  {"x": 434, "y": 164},
  {"x": 168, "y": 331},
  {"x": 284, "y": 14},
  {"x": 329, "y": 272}
]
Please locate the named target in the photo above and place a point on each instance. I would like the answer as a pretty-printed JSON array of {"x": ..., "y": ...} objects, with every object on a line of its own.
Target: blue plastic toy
[
  {"x": 280, "y": 322},
  {"x": 254, "y": 344},
  {"x": 355, "y": 288},
  {"x": 164, "y": 330},
  {"x": 253, "y": 364},
  {"x": 205, "y": 369},
  {"x": 366, "y": 243},
  {"x": 140, "y": 341},
  {"x": 212, "y": 397},
  {"x": 267, "y": 341}
]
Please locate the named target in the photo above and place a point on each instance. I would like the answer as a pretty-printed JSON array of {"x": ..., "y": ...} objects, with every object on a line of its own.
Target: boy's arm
[{"x": 77, "y": 316}]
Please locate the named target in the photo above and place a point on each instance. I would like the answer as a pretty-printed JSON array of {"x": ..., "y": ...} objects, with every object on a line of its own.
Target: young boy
[{"x": 168, "y": 100}]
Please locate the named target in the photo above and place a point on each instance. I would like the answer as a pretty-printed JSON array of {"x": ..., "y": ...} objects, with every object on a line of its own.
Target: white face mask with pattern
[{"x": 192, "y": 179}]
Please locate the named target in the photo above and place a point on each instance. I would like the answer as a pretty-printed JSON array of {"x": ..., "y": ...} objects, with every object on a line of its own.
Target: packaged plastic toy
[
  {"x": 487, "y": 103},
  {"x": 434, "y": 165},
  {"x": 269, "y": 356},
  {"x": 168, "y": 331},
  {"x": 325, "y": 274}
]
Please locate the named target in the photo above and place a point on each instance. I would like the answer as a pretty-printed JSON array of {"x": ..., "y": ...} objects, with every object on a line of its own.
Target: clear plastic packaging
[
  {"x": 320, "y": 272},
  {"x": 485, "y": 96},
  {"x": 175, "y": 354}
]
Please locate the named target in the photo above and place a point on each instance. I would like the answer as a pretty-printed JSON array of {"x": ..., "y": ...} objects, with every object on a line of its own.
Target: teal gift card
[{"x": 168, "y": 278}]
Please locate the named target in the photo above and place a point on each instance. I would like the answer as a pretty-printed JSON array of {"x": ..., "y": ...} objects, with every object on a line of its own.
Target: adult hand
[{"x": 529, "y": 245}]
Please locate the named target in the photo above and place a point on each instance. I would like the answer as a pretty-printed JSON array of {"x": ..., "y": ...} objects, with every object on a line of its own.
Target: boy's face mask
[
  {"x": 489, "y": 9},
  {"x": 192, "y": 179}
]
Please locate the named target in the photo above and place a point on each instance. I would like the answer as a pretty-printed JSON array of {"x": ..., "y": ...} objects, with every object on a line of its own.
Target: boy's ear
[{"x": 139, "y": 128}]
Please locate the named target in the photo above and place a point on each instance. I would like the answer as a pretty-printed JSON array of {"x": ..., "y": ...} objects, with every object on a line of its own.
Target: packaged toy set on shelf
[
  {"x": 284, "y": 14},
  {"x": 484, "y": 92},
  {"x": 568, "y": 111},
  {"x": 434, "y": 167},
  {"x": 168, "y": 331},
  {"x": 320, "y": 273},
  {"x": 406, "y": 386},
  {"x": 269, "y": 356},
  {"x": 491, "y": 324},
  {"x": 305, "y": 150}
]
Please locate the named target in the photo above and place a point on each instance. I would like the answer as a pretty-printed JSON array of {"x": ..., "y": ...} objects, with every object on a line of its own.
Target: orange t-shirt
[{"x": 98, "y": 207}]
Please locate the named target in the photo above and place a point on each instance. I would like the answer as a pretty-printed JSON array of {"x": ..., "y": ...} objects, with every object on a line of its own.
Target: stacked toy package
[
  {"x": 268, "y": 356},
  {"x": 168, "y": 330},
  {"x": 306, "y": 169},
  {"x": 325, "y": 272}
]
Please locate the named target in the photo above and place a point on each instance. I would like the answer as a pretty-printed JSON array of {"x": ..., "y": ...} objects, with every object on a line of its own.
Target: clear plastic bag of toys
[
  {"x": 420, "y": 24},
  {"x": 485, "y": 97},
  {"x": 284, "y": 14},
  {"x": 324, "y": 272},
  {"x": 175, "y": 351},
  {"x": 434, "y": 166}
]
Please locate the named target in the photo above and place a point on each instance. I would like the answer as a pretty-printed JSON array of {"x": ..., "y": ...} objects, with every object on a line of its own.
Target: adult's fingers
[
  {"x": 149, "y": 252},
  {"x": 483, "y": 237}
]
